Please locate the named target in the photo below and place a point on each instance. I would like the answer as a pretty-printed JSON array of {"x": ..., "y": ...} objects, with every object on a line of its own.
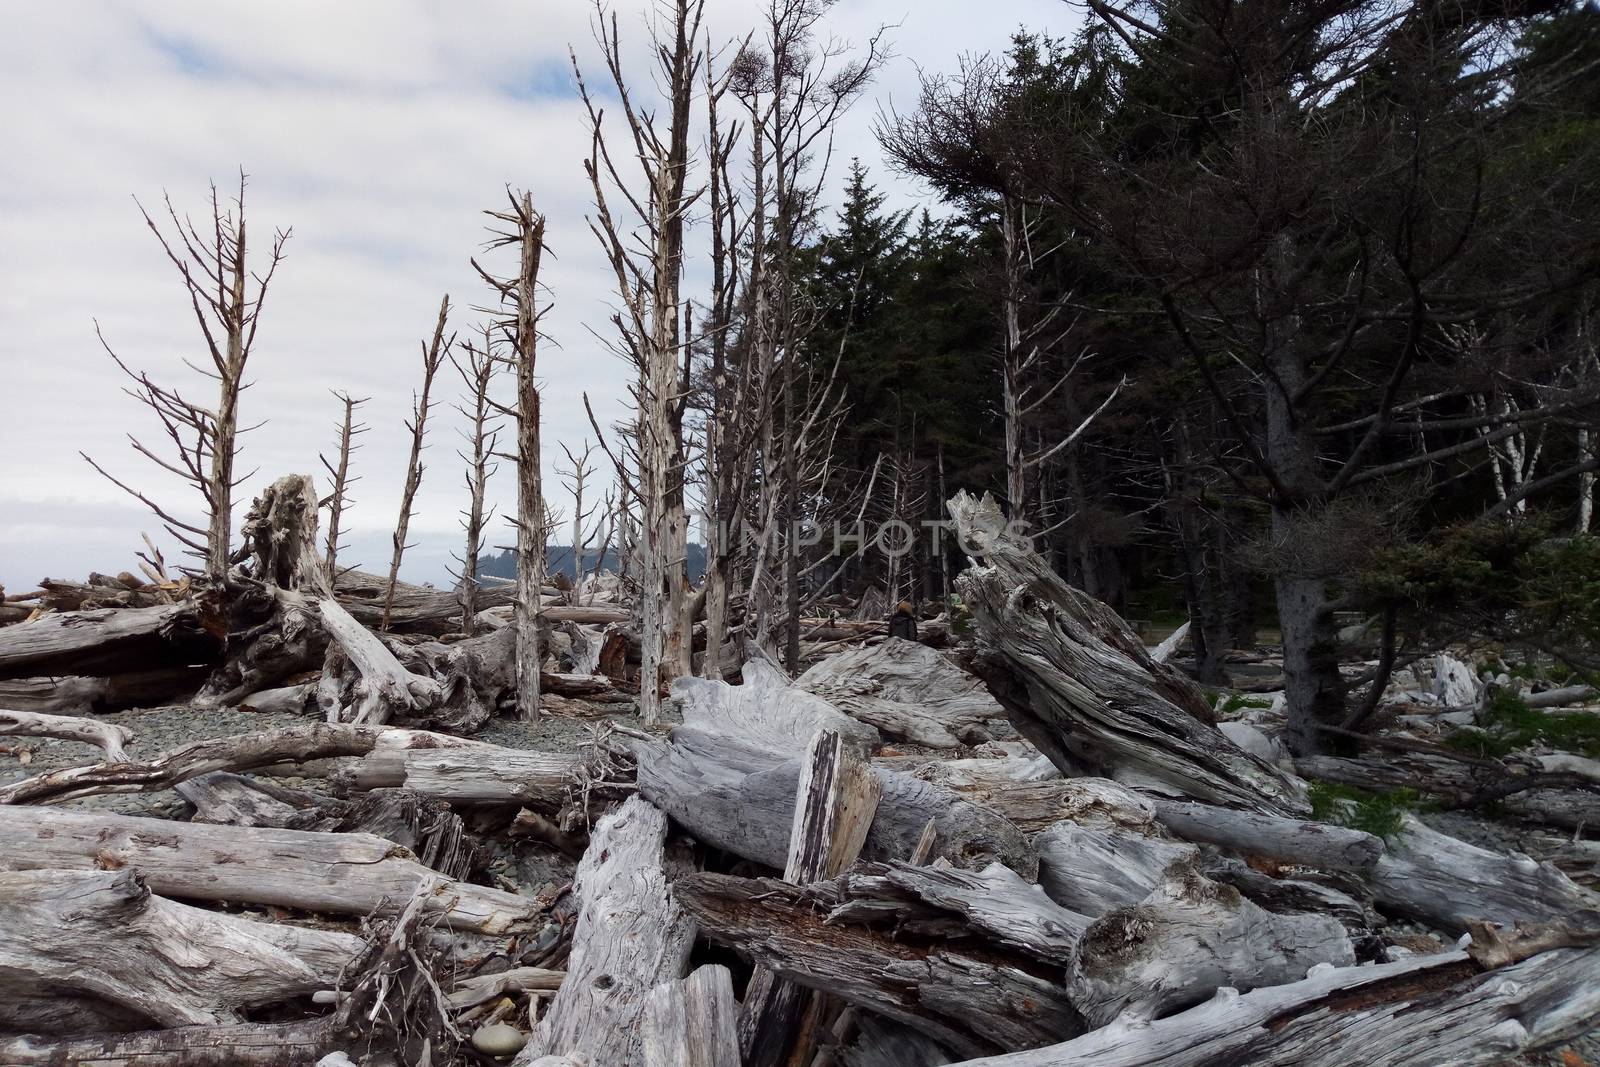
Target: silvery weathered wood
[
  {"x": 108, "y": 737},
  {"x": 766, "y": 712},
  {"x": 239, "y": 1045},
  {"x": 384, "y": 686},
  {"x": 342, "y": 874},
  {"x": 906, "y": 690},
  {"x": 298, "y": 699},
  {"x": 631, "y": 936},
  {"x": 128, "y": 689},
  {"x": 1428, "y": 1011},
  {"x": 835, "y": 802},
  {"x": 236, "y": 752},
  {"x": 1432, "y": 876},
  {"x": 493, "y": 775},
  {"x": 689, "y": 1022},
  {"x": 994, "y": 903},
  {"x": 235, "y": 800},
  {"x": 1187, "y": 938},
  {"x": 1575, "y": 808},
  {"x": 1093, "y": 870},
  {"x": 1040, "y": 805},
  {"x": 741, "y": 800},
  {"x": 1081, "y": 687},
  {"x": 90, "y": 950},
  {"x": 105, "y": 641},
  {"x": 1310, "y": 844},
  {"x": 970, "y": 999}
]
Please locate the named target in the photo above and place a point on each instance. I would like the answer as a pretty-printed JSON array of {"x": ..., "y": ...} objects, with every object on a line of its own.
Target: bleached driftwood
[
  {"x": 971, "y": 999},
  {"x": 765, "y": 712},
  {"x": 1081, "y": 687},
  {"x": 835, "y": 802},
  {"x": 223, "y": 797},
  {"x": 1443, "y": 880},
  {"x": 105, "y": 641},
  {"x": 1428, "y": 1010},
  {"x": 1310, "y": 844},
  {"x": 480, "y": 989},
  {"x": 384, "y": 766},
  {"x": 498, "y": 776},
  {"x": 90, "y": 950},
  {"x": 1187, "y": 938},
  {"x": 237, "y": 752},
  {"x": 342, "y": 874},
  {"x": 129, "y": 689},
  {"x": 906, "y": 690},
  {"x": 239, "y": 1045},
  {"x": 108, "y": 737},
  {"x": 690, "y": 1022},
  {"x": 1093, "y": 870},
  {"x": 1164, "y": 651},
  {"x": 742, "y": 800},
  {"x": 631, "y": 936},
  {"x": 384, "y": 688},
  {"x": 286, "y": 700}
]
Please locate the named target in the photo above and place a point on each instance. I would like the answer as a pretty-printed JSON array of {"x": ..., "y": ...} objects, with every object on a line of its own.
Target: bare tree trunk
[
  {"x": 478, "y": 375},
  {"x": 432, "y": 355},
  {"x": 339, "y": 498}
]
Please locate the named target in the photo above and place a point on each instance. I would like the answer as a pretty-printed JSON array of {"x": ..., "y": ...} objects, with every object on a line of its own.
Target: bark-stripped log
[
  {"x": 342, "y": 874},
  {"x": 237, "y": 752},
  {"x": 742, "y": 801},
  {"x": 241, "y": 1045},
  {"x": 1431, "y": 1011},
  {"x": 1310, "y": 844},
  {"x": 906, "y": 690},
  {"x": 499, "y": 776},
  {"x": 1081, "y": 687},
  {"x": 1188, "y": 938},
  {"x": 631, "y": 936},
  {"x": 1443, "y": 880},
  {"x": 106, "y": 641},
  {"x": 95, "y": 950},
  {"x": 1092, "y": 870},
  {"x": 384, "y": 688},
  {"x": 969, "y": 998},
  {"x": 108, "y": 737},
  {"x": 766, "y": 712},
  {"x": 131, "y": 689},
  {"x": 690, "y": 1022}
]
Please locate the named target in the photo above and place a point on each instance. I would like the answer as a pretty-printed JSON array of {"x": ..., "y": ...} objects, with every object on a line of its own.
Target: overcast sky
[{"x": 378, "y": 131}]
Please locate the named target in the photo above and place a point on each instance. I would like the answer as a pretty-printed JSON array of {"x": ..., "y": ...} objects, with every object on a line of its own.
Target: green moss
[
  {"x": 1379, "y": 814},
  {"x": 1237, "y": 701},
  {"x": 1508, "y": 724}
]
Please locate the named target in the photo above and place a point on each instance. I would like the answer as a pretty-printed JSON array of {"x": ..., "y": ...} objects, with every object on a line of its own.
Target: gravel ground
[{"x": 158, "y": 729}]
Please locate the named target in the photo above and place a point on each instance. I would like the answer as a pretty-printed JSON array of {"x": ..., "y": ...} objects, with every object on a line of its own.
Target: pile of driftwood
[{"x": 1033, "y": 850}]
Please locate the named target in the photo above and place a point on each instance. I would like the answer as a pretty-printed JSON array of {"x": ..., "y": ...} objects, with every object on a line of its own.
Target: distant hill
[{"x": 503, "y": 564}]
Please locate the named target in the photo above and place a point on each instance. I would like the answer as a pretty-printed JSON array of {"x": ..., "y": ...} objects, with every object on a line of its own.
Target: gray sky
[{"x": 379, "y": 130}]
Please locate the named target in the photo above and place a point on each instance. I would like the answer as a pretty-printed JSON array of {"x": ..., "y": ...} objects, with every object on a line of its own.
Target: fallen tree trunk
[
  {"x": 630, "y": 937},
  {"x": 1187, "y": 938},
  {"x": 383, "y": 688},
  {"x": 966, "y": 998},
  {"x": 906, "y": 690},
  {"x": 1427, "y": 1010},
  {"x": 766, "y": 712},
  {"x": 130, "y": 689},
  {"x": 241, "y": 1045},
  {"x": 1309, "y": 844},
  {"x": 93, "y": 950},
  {"x": 1079, "y": 684},
  {"x": 742, "y": 800},
  {"x": 1440, "y": 879},
  {"x": 342, "y": 874},
  {"x": 108, "y": 737},
  {"x": 1557, "y": 797},
  {"x": 106, "y": 641},
  {"x": 237, "y": 752}
]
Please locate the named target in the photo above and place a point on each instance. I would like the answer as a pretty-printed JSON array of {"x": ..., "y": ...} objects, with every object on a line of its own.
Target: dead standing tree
[
  {"x": 482, "y": 435},
  {"x": 647, "y": 259},
  {"x": 215, "y": 271},
  {"x": 339, "y": 498},
  {"x": 523, "y": 228},
  {"x": 433, "y": 354}
]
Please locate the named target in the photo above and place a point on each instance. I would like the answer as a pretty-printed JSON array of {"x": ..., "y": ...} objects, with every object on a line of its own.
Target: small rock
[{"x": 498, "y": 1039}]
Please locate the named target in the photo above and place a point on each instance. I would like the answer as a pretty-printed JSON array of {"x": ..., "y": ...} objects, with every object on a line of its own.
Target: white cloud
[{"x": 379, "y": 131}]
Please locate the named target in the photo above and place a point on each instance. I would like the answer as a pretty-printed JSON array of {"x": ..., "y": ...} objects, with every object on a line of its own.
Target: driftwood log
[
  {"x": 240, "y": 1045},
  {"x": 129, "y": 689},
  {"x": 742, "y": 800},
  {"x": 96, "y": 950},
  {"x": 1078, "y": 683},
  {"x": 691, "y": 1022},
  {"x": 766, "y": 712},
  {"x": 108, "y": 737},
  {"x": 106, "y": 641},
  {"x": 341, "y": 874},
  {"x": 907, "y": 690}
]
